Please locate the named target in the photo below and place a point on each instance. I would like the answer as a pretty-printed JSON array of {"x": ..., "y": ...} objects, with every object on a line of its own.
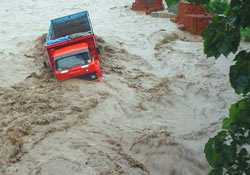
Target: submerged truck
[{"x": 72, "y": 48}]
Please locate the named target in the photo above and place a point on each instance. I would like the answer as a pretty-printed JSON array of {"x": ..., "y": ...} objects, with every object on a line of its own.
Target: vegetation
[
  {"x": 227, "y": 152},
  {"x": 217, "y": 6},
  {"x": 245, "y": 33}
]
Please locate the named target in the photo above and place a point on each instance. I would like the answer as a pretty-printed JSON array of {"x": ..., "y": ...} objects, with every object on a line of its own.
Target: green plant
[
  {"x": 196, "y": 2},
  {"x": 217, "y": 6},
  {"x": 171, "y": 2},
  {"x": 227, "y": 152},
  {"x": 245, "y": 33}
]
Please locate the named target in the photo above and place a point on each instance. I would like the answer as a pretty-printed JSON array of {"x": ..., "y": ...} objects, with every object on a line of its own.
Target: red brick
[{"x": 143, "y": 5}]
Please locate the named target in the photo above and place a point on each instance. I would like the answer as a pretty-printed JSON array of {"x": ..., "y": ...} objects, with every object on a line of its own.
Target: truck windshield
[{"x": 72, "y": 61}]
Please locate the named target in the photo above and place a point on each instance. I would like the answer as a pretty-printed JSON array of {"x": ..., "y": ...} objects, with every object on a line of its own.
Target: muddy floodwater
[{"x": 159, "y": 101}]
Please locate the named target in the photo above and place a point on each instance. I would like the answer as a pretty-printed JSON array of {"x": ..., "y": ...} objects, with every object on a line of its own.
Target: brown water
[{"x": 158, "y": 102}]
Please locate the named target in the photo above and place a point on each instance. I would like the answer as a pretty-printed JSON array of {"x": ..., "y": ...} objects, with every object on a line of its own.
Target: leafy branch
[{"x": 227, "y": 152}]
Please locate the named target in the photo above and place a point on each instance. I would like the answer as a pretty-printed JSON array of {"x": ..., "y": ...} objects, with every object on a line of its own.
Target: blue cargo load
[{"x": 69, "y": 27}]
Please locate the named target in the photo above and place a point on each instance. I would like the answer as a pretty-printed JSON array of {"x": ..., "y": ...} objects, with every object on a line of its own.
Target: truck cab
[{"x": 72, "y": 49}]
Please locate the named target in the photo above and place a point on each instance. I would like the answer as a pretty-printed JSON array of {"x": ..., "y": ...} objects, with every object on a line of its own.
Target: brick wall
[{"x": 193, "y": 18}]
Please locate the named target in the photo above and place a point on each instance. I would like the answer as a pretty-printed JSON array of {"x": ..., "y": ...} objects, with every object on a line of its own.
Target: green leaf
[
  {"x": 171, "y": 2},
  {"x": 217, "y": 6},
  {"x": 240, "y": 10},
  {"x": 225, "y": 152},
  {"x": 243, "y": 158},
  {"x": 220, "y": 37},
  {"x": 238, "y": 123},
  {"x": 219, "y": 154},
  {"x": 216, "y": 172},
  {"x": 226, "y": 123},
  {"x": 240, "y": 73},
  {"x": 199, "y": 2}
]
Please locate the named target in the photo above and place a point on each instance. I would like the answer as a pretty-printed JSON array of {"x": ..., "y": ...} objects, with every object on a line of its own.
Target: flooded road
[{"x": 159, "y": 100}]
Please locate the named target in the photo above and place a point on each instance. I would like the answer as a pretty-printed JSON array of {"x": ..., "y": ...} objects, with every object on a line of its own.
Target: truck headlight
[
  {"x": 64, "y": 71},
  {"x": 84, "y": 66}
]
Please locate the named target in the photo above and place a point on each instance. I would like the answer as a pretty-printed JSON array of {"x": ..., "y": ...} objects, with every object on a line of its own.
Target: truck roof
[
  {"x": 70, "y": 49},
  {"x": 69, "y": 27}
]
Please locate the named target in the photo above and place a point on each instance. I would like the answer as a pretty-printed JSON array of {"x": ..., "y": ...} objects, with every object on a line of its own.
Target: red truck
[{"x": 72, "y": 48}]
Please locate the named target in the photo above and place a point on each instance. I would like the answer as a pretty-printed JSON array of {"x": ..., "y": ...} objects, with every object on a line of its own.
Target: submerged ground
[{"x": 159, "y": 100}]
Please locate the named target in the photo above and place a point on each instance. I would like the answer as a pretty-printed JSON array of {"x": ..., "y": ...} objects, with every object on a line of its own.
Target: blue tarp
[{"x": 61, "y": 25}]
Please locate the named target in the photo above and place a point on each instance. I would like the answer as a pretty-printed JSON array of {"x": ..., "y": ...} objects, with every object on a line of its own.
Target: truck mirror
[{"x": 98, "y": 49}]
